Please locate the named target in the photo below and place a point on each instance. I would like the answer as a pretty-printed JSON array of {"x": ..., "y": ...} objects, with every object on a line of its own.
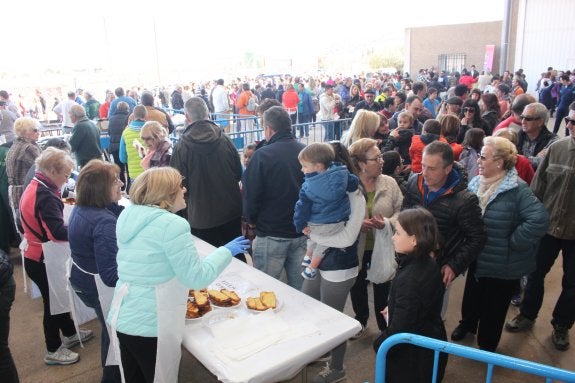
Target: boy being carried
[{"x": 323, "y": 204}]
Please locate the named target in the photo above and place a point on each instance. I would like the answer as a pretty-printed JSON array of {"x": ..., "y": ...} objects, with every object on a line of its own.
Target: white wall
[{"x": 545, "y": 37}]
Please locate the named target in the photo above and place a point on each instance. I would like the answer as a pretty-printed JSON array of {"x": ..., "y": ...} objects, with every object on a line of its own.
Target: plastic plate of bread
[
  {"x": 266, "y": 300},
  {"x": 224, "y": 298},
  {"x": 198, "y": 304}
]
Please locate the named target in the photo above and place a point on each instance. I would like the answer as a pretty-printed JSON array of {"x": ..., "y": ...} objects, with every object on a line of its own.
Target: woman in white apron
[
  {"x": 92, "y": 237},
  {"x": 157, "y": 264},
  {"x": 42, "y": 219}
]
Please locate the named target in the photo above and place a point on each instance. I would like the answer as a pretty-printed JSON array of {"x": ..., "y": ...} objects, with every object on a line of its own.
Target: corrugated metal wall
[{"x": 545, "y": 37}]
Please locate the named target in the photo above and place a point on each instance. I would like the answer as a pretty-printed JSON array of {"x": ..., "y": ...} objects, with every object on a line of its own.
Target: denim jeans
[
  {"x": 329, "y": 130},
  {"x": 8, "y": 370},
  {"x": 110, "y": 373},
  {"x": 273, "y": 254},
  {"x": 564, "y": 311}
]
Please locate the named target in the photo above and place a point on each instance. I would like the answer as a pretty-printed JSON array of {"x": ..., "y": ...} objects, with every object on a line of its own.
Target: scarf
[{"x": 488, "y": 186}]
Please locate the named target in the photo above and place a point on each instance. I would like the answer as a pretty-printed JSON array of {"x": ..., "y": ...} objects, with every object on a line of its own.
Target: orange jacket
[
  {"x": 242, "y": 103},
  {"x": 416, "y": 152}
]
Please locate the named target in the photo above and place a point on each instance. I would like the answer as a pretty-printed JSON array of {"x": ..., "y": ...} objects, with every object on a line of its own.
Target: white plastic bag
[{"x": 383, "y": 264}]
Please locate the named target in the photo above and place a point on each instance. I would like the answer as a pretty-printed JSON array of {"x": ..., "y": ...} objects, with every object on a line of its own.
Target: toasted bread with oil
[
  {"x": 232, "y": 295},
  {"x": 201, "y": 298},
  {"x": 219, "y": 298}
]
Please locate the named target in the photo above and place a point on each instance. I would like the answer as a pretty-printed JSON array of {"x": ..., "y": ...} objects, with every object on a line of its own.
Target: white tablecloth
[{"x": 307, "y": 329}]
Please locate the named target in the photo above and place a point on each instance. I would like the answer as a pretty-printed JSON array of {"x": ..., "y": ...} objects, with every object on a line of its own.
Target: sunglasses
[
  {"x": 470, "y": 110},
  {"x": 527, "y": 118},
  {"x": 569, "y": 120}
]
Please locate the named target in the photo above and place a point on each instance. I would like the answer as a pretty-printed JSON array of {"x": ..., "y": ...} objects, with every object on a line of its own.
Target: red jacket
[
  {"x": 290, "y": 99},
  {"x": 524, "y": 169},
  {"x": 416, "y": 151},
  {"x": 41, "y": 210},
  {"x": 467, "y": 80}
]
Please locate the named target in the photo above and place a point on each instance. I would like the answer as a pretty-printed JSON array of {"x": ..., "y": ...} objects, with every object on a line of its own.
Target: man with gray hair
[
  {"x": 534, "y": 138},
  {"x": 210, "y": 163},
  {"x": 85, "y": 139}
]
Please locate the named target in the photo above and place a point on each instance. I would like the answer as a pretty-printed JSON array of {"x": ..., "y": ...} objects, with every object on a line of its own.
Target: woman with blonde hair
[
  {"x": 159, "y": 146},
  {"x": 20, "y": 158},
  {"x": 364, "y": 125},
  {"x": 515, "y": 221},
  {"x": 157, "y": 264}
]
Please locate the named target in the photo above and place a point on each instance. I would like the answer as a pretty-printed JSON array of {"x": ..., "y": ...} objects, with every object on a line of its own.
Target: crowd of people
[{"x": 453, "y": 174}]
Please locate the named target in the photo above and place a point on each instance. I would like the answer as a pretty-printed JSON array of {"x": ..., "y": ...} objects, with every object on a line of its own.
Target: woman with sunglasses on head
[{"x": 158, "y": 145}]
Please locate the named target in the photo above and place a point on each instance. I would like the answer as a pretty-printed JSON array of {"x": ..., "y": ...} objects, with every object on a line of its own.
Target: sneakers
[
  {"x": 327, "y": 375},
  {"x": 519, "y": 323},
  {"x": 359, "y": 333},
  {"x": 61, "y": 356},
  {"x": 516, "y": 300},
  {"x": 309, "y": 273},
  {"x": 560, "y": 337},
  {"x": 71, "y": 341},
  {"x": 306, "y": 261}
]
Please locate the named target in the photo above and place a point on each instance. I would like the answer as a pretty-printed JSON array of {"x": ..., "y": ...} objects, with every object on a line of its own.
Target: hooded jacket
[
  {"x": 128, "y": 153},
  {"x": 211, "y": 165},
  {"x": 154, "y": 246}
]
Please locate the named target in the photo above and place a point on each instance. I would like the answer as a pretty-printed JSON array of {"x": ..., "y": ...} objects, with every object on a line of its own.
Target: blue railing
[{"x": 490, "y": 358}]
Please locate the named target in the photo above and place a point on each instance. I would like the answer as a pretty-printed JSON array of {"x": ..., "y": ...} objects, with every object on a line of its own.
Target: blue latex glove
[{"x": 240, "y": 245}]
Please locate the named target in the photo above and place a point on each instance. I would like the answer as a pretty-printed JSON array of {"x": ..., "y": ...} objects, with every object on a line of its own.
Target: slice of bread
[
  {"x": 201, "y": 298},
  {"x": 192, "y": 310},
  {"x": 256, "y": 304},
  {"x": 232, "y": 295},
  {"x": 268, "y": 299},
  {"x": 218, "y": 298}
]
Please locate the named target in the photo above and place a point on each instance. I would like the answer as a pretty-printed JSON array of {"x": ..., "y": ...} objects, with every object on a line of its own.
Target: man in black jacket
[
  {"x": 210, "y": 163},
  {"x": 271, "y": 185},
  {"x": 442, "y": 189},
  {"x": 534, "y": 138}
]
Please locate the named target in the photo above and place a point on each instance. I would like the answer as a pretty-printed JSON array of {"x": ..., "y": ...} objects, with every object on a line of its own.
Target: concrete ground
[{"x": 27, "y": 345}]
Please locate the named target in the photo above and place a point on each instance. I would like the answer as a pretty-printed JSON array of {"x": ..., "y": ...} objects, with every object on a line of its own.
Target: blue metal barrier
[{"x": 490, "y": 358}]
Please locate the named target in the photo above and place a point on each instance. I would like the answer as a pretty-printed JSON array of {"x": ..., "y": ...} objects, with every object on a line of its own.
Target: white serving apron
[
  {"x": 171, "y": 299},
  {"x": 62, "y": 299},
  {"x": 105, "y": 296}
]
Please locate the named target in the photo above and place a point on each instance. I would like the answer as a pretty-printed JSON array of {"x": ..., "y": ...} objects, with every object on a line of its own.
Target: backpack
[{"x": 252, "y": 103}]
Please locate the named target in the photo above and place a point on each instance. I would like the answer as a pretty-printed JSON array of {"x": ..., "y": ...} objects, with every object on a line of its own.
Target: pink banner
[{"x": 488, "y": 62}]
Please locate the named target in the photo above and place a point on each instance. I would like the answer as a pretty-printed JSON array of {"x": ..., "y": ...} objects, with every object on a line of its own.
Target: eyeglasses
[
  {"x": 470, "y": 110},
  {"x": 378, "y": 158},
  {"x": 528, "y": 118},
  {"x": 569, "y": 121}
]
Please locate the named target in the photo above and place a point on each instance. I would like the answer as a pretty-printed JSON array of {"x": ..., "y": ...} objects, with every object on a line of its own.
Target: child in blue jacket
[{"x": 323, "y": 204}]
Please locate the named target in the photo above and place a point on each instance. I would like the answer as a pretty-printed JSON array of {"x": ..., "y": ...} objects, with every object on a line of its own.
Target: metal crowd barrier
[{"x": 490, "y": 358}]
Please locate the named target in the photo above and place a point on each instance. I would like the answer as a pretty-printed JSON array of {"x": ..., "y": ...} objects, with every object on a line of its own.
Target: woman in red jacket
[
  {"x": 42, "y": 219},
  {"x": 290, "y": 99}
]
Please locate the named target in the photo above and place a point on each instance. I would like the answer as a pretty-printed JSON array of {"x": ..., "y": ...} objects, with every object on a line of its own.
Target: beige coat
[{"x": 387, "y": 203}]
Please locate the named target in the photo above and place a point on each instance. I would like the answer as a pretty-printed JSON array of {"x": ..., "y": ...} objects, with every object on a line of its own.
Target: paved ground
[{"x": 27, "y": 344}]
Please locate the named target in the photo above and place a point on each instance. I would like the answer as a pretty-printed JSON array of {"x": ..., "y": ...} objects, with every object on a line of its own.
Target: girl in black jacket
[{"x": 415, "y": 299}]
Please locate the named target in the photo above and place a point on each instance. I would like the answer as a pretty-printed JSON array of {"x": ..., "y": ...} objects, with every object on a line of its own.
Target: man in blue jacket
[{"x": 271, "y": 185}]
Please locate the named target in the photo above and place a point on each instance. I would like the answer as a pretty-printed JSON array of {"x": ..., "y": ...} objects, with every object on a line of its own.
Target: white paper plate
[
  {"x": 214, "y": 317},
  {"x": 279, "y": 305}
]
